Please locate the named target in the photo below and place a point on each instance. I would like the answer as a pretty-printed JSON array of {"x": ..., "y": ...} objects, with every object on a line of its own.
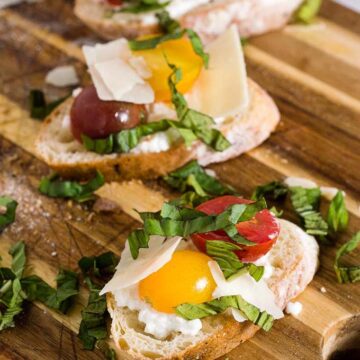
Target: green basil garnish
[
  {"x": 193, "y": 176},
  {"x": 142, "y": 6},
  {"x": 11, "y": 292},
  {"x": 175, "y": 220},
  {"x": 7, "y": 211},
  {"x": 93, "y": 318},
  {"x": 39, "y": 108},
  {"x": 347, "y": 274},
  {"x": 307, "y": 11},
  {"x": 223, "y": 253},
  {"x": 217, "y": 306},
  {"x": 101, "y": 265},
  {"x": 338, "y": 216},
  {"x": 273, "y": 190},
  {"x": 93, "y": 329},
  {"x": 59, "y": 299},
  {"x": 167, "y": 24},
  {"x": 53, "y": 186},
  {"x": 306, "y": 204}
]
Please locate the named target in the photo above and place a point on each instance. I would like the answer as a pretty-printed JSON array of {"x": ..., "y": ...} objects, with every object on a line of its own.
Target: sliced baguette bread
[
  {"x": 294, "y": 259},
  {"x": 58, "y": 148},
  {"x": 252, "y": 17}
]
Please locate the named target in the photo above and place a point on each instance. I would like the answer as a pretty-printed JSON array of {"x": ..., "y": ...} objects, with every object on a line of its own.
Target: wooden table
[{"x": 312, "y": 72}]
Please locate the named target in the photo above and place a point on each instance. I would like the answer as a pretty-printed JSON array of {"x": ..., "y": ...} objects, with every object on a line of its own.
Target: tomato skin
[
  {"x": 115, "y": 2},
  {"x": 263, "y": 229}
]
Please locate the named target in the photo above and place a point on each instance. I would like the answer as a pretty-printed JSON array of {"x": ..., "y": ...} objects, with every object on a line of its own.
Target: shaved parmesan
[
  {"x": 62, "y": 76},
  {"x": 255, "y": 293},
  {"x": 117, "y": 74},
  {"x": 130, "y": 272},
  {"x": 222, "y": 89}
]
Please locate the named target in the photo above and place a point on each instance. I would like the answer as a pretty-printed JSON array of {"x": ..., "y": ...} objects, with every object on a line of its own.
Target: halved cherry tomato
[
  {"x": 263, "y": 229},
  {"x": 115, "y": 2}
]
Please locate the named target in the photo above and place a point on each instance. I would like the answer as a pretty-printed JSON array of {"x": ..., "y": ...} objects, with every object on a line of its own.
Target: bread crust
[
  {"x": 249, "y": 130},
  {"x": 250, "y": 16}
]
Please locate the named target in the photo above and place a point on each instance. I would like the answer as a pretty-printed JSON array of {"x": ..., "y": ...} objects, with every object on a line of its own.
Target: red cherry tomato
[
  {"x": 98, "y": 119},
  {"x": 263, "y": 229},
  {"x": 115, "y": 2}
]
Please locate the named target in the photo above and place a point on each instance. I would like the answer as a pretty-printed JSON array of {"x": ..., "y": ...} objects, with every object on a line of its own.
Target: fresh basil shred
[
  {"x": 338, "y": 216},
  {"x": 59, "y": 299},
  {"x": 273, "y": 190},
  {"x": 142, "y": 6},
  {"x": 175, "y": 220},
  {"x": 39, "y": 107},
  {"x": 217, "y": 306},
  {"x": 193, "y": 176},
  {"x": 347, "y": 274},
  {"x": 306, "y": 204},
  {"x": 53, "y": 186},
  {"x": 167, "y": 24},
  {"x": 307, "y": 11},
  {"x": 12, "y": 295},
  {"x": 93, "y": 327},
  {"x": 223, "y": 253},
  {"x": 7, "y": 211}
]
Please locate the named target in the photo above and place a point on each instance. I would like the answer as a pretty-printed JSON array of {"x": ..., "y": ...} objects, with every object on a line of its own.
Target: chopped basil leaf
[
  {"x": 217, "y": 306},
  {"x": 166, "y": 23},
  {"x": 143, "y": 6},
  {"x": 93, "y": 322},
  {"x": 174, "y": 220},
  {"x": 17, "y": 251},
  {"x": 338, "y": 216},
  {"x": 307, "y": 11},
  {"x": 201, "y": 124},
  {"x": 223, "y": 253},
  {"x": 192, "y": 175},
  {"x": 273, "y": 190},
  {"x": 7, "y": 211},
  {"x": 53, "y": 186},
  {"x": 306, "y": 204},
  {"x": 11, "y": 293},
  {"x": 347, "y": 274},
  {"x": 14, "y": 306},
  {"x": 59, "y": 299},
  {"x": 191, "y": 199},
  {"x": 39, "y": 108},
  {"x": 101, "y": 265}
]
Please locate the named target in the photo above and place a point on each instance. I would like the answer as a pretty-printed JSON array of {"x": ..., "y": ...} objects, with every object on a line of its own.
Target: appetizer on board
[{"x": 155, "y": 104}]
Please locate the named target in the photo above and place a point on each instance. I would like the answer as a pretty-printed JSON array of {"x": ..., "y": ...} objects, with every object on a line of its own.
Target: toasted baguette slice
[
  {"x": 294, "y": 259},
  {"x": 58, "y": 148},
  {"x": 252, "y": 17}
]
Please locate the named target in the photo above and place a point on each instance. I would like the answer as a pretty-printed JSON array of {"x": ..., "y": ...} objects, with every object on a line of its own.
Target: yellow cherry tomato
[
  {"x": 186, "y": 278},
  {"x": 178, "y": 52}
]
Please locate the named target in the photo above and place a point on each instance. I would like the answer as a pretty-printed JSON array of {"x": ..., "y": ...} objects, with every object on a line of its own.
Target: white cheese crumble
[
  {"x": 323, "y": 290},
  {"x": 62, "y": 76},
  {"x": 294, "y": 308}
]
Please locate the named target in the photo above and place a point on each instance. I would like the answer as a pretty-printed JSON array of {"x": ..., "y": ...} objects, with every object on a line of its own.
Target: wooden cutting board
[{"x": 312, "y": 72}]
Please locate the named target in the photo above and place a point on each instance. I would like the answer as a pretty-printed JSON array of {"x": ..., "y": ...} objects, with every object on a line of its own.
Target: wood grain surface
[{"x": 312, "y": 72}]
